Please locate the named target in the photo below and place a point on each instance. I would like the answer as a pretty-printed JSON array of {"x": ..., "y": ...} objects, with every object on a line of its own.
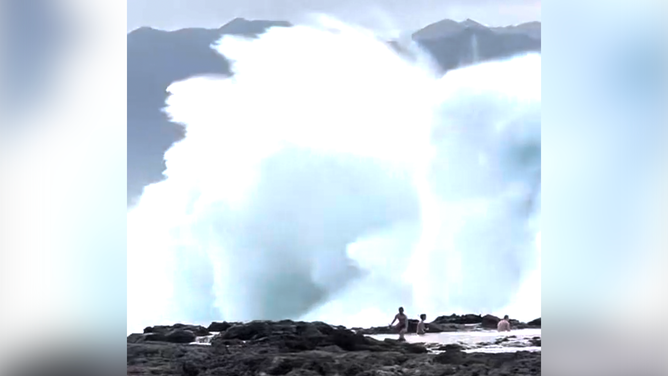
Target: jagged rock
[
  {"x": 489, "y": 321},
  {"x": 173, "y": 336},
  {"x": 412, "y": 328},
  {"x": 415, "y": 348},
  {"x": 375, "y": 330},
  {"x": 136, "y": 338},
  {"x": 190, "y": 369},
  {"x": 157, "y": 337},
  {"x": 453, "y": 356},
  {"x": 245, "y": 332},
  {"x": 198, "y": 330},
  {"x": 289, "y": 336},
  {"x": 220, "y": 326},
  {"x": 504, "y": 339},
  {"x": 347, "y": 340},
  {"x": 180, "y": 336},
  {"x": 457, "y": 319},
  {"x": 306, "y": 349},
  {"x": 534, "y": 323},
  {"x": 451, "y": 347}
]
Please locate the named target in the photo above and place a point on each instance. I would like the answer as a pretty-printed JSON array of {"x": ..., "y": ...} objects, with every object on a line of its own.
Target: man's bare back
[
  {"x": 401, "y": 318},
  {"x": 503, "y": 325}
]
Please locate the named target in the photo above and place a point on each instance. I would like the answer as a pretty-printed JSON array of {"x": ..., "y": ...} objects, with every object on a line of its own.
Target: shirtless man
[
  {"x": 402, "y": 326},
  {"x": 503, "y": 325}
]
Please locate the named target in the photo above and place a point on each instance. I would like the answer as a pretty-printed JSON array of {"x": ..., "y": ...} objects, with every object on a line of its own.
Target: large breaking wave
[{"x": 334, "y": 178}]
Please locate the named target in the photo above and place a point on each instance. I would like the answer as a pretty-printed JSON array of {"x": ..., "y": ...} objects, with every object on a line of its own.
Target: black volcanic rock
[
  {"x": 220, "y": 326},
  {"x": 177, "y": 333},
  {"x": 294, "y": 336},
  {"x": 412, "y": 328},
  {"x": 534, "y": 323},
  {"x": 303, "y": 348},
  {"x": 457, "y": 319},
  {"x": 249, "y": 331},
  {"x": 173, "y": 336},
  {"x": 153, "y": 337},
  {"x": 375, "y": 330},
  {"x": 451, "y": 347},
  {"x": 136, "y": 338},
  {"x": 180, "y": 336},
  {"x": 489, "y": 322},
  {"x": 198, "y": 330},
  {"x": 291, "y": 336},
  {"x": 450, "y": 356}
]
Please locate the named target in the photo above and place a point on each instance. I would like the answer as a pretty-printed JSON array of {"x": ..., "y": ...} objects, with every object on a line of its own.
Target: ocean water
[{"x": 477, "y": 341}]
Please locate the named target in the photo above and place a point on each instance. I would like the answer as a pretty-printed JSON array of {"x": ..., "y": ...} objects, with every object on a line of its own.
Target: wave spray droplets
[{"x": 331, "y": 178}]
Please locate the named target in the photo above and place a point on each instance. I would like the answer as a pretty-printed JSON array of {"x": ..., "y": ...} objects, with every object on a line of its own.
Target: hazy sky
[{"x": 388, "y": 15}]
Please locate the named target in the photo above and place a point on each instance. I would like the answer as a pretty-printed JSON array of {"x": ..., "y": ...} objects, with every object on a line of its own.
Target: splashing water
[
  {"x": 474, "y": 49},
  {"x": 331, "y": 178}
]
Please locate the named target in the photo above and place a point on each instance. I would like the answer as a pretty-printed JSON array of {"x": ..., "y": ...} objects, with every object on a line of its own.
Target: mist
[{"x": 331, "y": 178}]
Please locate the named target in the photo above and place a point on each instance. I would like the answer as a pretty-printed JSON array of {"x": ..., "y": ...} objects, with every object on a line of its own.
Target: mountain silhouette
[{"x": 156, "y": 59}]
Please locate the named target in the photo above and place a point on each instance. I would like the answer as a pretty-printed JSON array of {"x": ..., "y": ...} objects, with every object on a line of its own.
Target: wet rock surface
[
  {"x": 511, "y": 342},
  {"x": 304, "y": 348},
  {"x": 489, "y": 322},
  {"x": 172, "y": 335},
  {"x": 459, "y": 319},
  {"x": 198, "y": 330},
  {"x": 220, "y": 326},
  {"x": 534, "y": 323}
]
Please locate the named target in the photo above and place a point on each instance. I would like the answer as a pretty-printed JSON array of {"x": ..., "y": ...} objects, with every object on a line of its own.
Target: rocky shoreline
[
  {"x": 315, "y": 348},
  {"x": 454, "y": 323}
]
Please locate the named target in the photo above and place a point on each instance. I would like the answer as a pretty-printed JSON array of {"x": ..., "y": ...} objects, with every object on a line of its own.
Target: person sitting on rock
[
  {"x": 402, "y": 326},
  {"x": 503, "y": 325},
  {"x": 422, "y": 326}
]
